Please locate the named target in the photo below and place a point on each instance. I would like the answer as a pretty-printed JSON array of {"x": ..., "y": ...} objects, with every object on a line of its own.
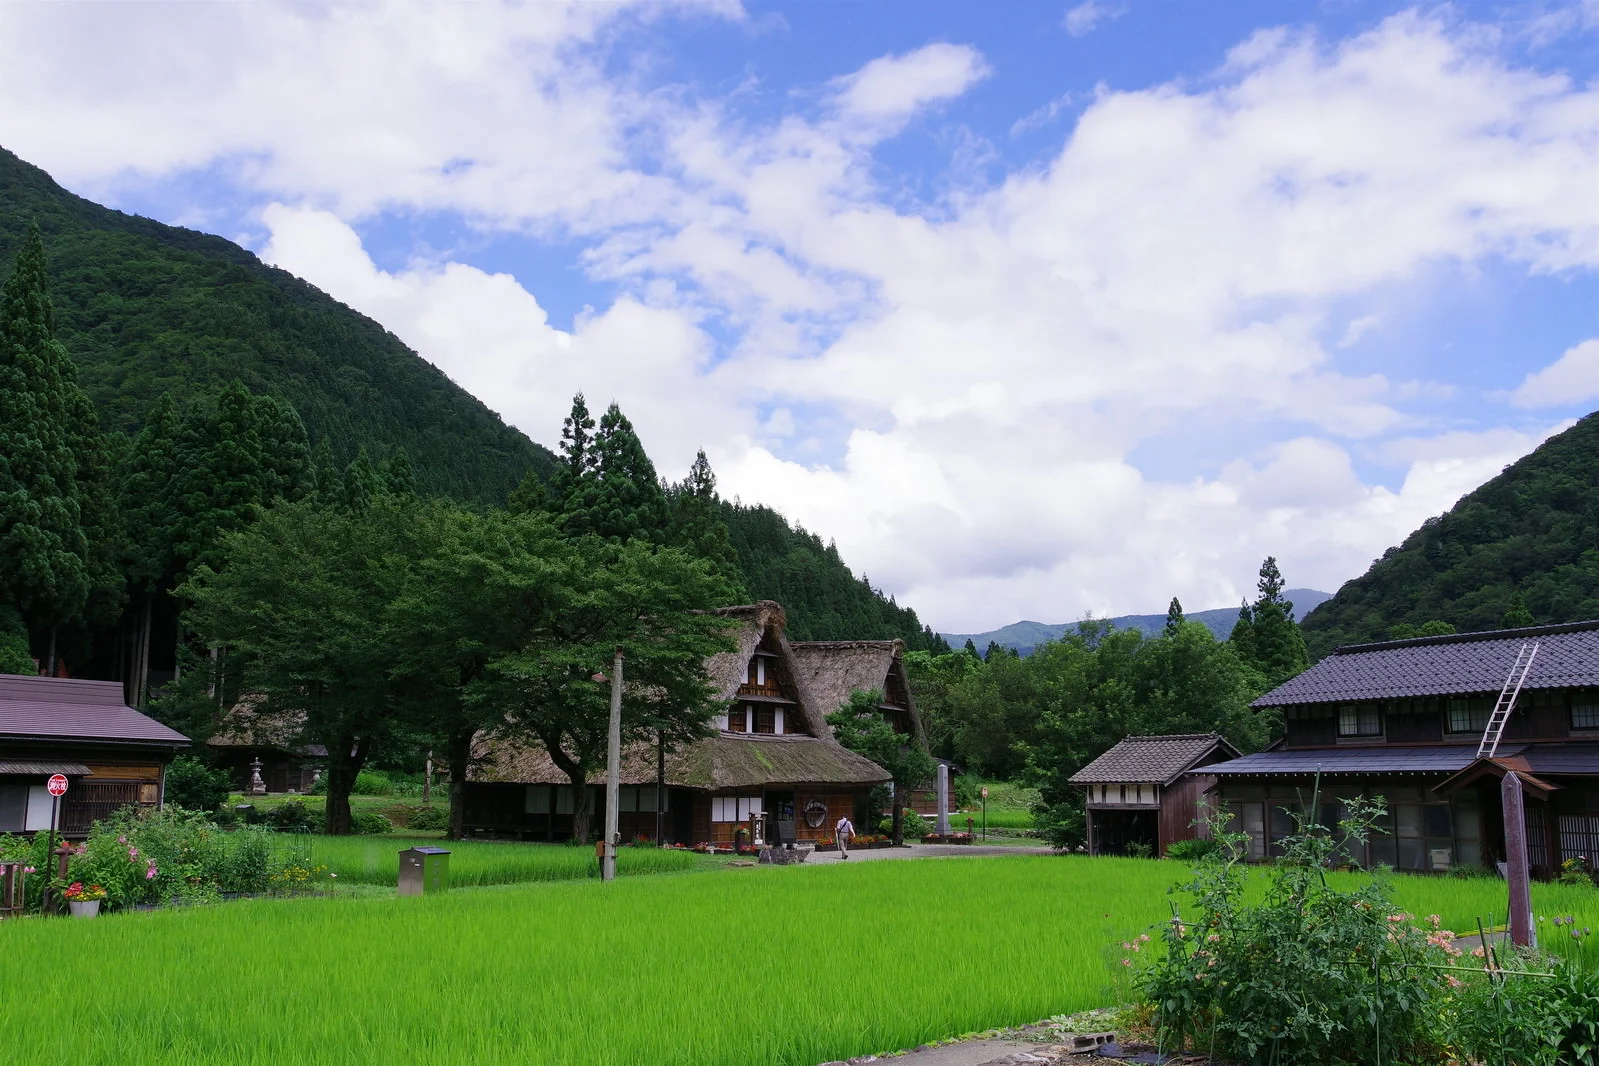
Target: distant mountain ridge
[{"x": 1025, "y": 636}]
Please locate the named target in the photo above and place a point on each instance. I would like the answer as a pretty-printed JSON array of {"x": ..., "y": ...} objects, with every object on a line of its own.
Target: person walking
[{"x": 845, "y": 832}]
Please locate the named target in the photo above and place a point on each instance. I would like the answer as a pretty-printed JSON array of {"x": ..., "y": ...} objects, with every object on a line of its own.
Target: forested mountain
[
  {"x": 1521, "y": 550},
  {"x": 823, "y": 599},
  {"x": 145, "y": 308}
]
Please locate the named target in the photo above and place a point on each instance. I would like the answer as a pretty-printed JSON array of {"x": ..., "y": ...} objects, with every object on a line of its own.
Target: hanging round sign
[
  {"x": 57, "y": 785},
  {"x": 815, "y": 813}
]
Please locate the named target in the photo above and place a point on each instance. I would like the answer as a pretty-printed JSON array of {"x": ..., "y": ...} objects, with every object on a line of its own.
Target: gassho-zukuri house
[
  {"x": 772, "y": 753},
  {"x": 1414, "y": 721},
  {"x": 111, "y": 755},
  {"x": 1146, "y": 791}
]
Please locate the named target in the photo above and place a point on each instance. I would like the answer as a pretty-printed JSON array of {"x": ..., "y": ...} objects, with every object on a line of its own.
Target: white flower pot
[{"x": 87, "y": 908}]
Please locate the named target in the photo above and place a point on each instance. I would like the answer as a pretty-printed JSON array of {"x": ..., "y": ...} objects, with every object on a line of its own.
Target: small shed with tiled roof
[
  {"x": 1144, "y": 792},
  {"x": 111, "y": 755}
]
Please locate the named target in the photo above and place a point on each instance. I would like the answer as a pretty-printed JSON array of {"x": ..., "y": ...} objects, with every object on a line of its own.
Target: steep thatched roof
[
  {"x": 834, "y": 670},
  {"x": 244, "y": 726},
  {"x": 725, "y": 761},
  {"x": 715, "y": 764}
]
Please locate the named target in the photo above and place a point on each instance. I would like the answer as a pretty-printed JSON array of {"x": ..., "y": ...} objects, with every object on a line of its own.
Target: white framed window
[
  {"x": 1469, "y": 715},
  {"x": 734, "y": 808},
  {"x": 1359, "y": 720},
  {"x": 537, "y": 800}
]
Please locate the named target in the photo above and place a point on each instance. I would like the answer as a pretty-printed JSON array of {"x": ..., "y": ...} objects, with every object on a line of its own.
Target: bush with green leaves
[
  {"x": 1190, "y": 850},
  {"x": 427, "y": 818},
  {"x": 1526, "y": 1007},
  {"x": 14, "y": 656},
  {"x": 194, "y": 786},
  {"x": 294, "y": 816},
  {"x": 372, "y": 783},
  {"x": 370, "y": 822},
  {"x": 171, "y": 856},
  {"x": 1311, "y": 974}
]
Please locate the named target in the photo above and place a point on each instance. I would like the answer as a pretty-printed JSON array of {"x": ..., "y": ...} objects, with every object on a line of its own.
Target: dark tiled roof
[
  {"x": 1151, "y": 759},
  {"x": 1558, "y": 759},
  {"x": 1339, "y": 761},
  {"x": 1458, "y": 664},
  {"x": 57, "y": 708}
]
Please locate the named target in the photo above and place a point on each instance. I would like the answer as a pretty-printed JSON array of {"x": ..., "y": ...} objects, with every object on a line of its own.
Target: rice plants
[
  {"x": 790, "y": 965},
  {"x": 375, "y": 860},
  {"x": 793, "y": 965}
]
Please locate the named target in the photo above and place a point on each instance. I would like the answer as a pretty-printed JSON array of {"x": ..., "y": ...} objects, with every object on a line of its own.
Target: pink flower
[
  {"x": 1127, "y": 962},
  {"x": 149, "y": 873},
  {"x": 29, "y": 870},
  {"x": 1435, "y": 920},
  {"x": 122, "y": 840},
  {"x": 133, "y": 853}
]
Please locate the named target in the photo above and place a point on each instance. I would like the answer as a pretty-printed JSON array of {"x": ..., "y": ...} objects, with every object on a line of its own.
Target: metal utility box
[{"x": 424, "y": 871}]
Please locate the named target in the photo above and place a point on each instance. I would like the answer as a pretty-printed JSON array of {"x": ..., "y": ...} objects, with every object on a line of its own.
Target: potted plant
[{"x": 83, "y": 900}]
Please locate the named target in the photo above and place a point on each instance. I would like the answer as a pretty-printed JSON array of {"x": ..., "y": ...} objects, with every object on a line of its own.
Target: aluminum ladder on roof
[{"x": 1507, "y": 700}]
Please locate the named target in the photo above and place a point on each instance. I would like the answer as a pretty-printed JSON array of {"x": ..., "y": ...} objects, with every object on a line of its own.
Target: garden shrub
[
  {"x": 1506, "y": 1015},
  {"x": 294, "y": 816},
  {"x": 1307, "y": 975},
  {"x": 914, "y": 826},
  {"x": 369, "y": 822},
  {"x": 171, "y": 856},
  {"x": 427, "y": 818},
  {"x": 372, "y": 783},
  {"x": 1190, "y": 850},
  {"x": 193, "y": 785}
]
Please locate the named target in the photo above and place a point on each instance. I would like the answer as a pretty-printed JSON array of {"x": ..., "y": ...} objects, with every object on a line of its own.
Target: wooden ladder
[{"x": 1507, "y": 701}]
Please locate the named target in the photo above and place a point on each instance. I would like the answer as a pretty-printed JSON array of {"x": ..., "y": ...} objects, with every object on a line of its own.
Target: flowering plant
[{"x": 78, "y": 892}]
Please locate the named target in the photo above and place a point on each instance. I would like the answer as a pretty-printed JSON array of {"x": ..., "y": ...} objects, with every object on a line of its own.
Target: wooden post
[
  {"x": 613, "y": 773},
  {"x": 943, "y": 801},
  {"x": 1088, "y": 822},
  {"x": 660, "y": 789},
  {"x": 1516, "y": 873}
]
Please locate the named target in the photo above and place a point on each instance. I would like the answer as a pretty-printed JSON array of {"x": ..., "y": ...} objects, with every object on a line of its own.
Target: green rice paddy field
[
  {"x": 375, "y": 860},
  {"x": 792, "y": 965}
]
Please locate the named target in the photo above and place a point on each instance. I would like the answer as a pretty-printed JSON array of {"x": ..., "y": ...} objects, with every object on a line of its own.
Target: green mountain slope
[
  {"x": 1532, "y": 531},
  {"x": 147, "y": 308},
  {"x": 822, "y": 598}
]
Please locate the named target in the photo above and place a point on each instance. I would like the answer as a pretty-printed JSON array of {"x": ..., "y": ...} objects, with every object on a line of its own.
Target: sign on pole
[
  {"x": 984, "y": 791},
  {"x": 57, "y": 785}
]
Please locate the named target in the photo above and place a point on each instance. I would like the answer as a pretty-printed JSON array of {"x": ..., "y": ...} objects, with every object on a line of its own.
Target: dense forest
[
  {"x": 156, "y": 317},
  {"x": 1521, "y": 550},
  {"x": 147, "y": 309}
]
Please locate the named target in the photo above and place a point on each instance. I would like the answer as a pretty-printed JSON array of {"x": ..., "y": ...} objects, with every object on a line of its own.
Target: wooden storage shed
[
  {"x": 1144, "y": 791},
  {"x": 111, "y": 755}
]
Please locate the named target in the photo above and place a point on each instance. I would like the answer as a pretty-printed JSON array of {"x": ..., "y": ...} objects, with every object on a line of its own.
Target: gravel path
[{"x": 927, "y": 851}]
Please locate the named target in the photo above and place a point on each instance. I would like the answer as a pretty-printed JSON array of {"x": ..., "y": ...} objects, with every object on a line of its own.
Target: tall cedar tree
[
  {"x": 575, "y": 483},
  {"x": 629, "y": 503},
  {"x": 1275, "y": 645},
  {"x": 42, "y": 540},
  {"x": 1174, "y": 614},
  {"x": 699, "y": 526}
]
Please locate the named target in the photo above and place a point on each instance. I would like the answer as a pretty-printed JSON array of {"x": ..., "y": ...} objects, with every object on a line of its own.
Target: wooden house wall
[
  {"x": 118, "y": 777},
  {"x": 1179, "y": 806}
]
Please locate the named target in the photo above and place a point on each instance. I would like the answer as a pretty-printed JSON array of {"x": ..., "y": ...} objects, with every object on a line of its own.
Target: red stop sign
[{"x": 57, "y": 785}]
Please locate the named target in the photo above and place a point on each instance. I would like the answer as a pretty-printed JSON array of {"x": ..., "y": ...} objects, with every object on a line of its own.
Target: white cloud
[
  {"x": 892, "y": 88},
  {"x": 1088, "y": 16},
  {"x": 956, "y": 391},
  {"x": 1358, "y": 328},
  {"x": 1571, "y": 379}
]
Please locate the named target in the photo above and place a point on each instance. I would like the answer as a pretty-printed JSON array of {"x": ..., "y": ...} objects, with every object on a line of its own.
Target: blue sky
[{"x": 1038, "y": 309}]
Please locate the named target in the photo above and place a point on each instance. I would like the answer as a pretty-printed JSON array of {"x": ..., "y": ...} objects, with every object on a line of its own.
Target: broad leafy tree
[
  {"x": 652, "y": 604},
  {"x": 860, "y": 726}
]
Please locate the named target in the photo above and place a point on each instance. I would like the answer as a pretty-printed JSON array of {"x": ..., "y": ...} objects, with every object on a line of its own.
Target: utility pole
[
  {"x": 613, "y": 773},
  {"x": 660, "y": 789}
]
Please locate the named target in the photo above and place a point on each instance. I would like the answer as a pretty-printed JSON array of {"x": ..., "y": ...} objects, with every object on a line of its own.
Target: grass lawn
[
  {"x": 791, "y": 965},
  {"x": 374, "y": 860}
]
